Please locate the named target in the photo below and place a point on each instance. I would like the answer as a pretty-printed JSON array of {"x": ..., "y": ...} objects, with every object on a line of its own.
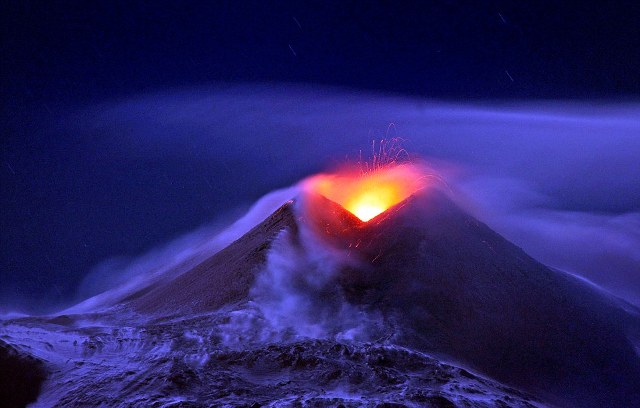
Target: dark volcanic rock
[
  {"x": 463, "y": 291},
  {"x": 21, "y": 377}
]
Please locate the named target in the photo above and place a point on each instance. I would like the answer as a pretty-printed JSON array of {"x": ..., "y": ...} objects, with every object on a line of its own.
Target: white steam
[{"x": 298, "y": 295}]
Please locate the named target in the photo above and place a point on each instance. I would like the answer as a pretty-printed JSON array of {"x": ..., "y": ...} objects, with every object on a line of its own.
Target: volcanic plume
[{"x": 352, "y": 293}]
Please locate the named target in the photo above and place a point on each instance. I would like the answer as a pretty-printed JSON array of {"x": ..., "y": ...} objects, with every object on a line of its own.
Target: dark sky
[
  {"x": 70, "y": 200},
  {"x": 66, "y": 50}
]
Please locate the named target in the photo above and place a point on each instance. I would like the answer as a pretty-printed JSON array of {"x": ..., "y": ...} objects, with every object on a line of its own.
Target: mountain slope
[
  {"x": 223, "y": 279},
  {"x": 461, "y": 290}
]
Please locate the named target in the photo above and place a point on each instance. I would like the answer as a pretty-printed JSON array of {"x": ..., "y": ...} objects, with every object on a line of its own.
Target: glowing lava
[{"x": 369, "y": 194}]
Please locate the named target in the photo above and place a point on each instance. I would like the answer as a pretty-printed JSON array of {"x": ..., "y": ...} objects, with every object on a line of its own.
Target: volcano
[
  {"x": 462, "y": 317},
  {"x": 463, "y": 292}
]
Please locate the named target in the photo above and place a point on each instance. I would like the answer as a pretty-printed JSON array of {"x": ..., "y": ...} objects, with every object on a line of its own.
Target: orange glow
[{"x": 370, "y": 194}]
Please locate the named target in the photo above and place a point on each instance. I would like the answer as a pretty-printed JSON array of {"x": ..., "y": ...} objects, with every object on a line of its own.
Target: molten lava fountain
[{"x": 367, "y": 194}]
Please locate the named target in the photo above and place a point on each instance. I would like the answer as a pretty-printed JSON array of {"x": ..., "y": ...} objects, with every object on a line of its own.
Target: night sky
[{"x": 81, "y": 182}]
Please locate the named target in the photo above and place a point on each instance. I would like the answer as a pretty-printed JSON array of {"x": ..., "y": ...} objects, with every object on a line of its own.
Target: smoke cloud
[
  {"x": 557, "y": 178},
  {"x": 299, "y": 294},
  {"x": 299, "y": 291},
  {"x": 600, "y": 247}
]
